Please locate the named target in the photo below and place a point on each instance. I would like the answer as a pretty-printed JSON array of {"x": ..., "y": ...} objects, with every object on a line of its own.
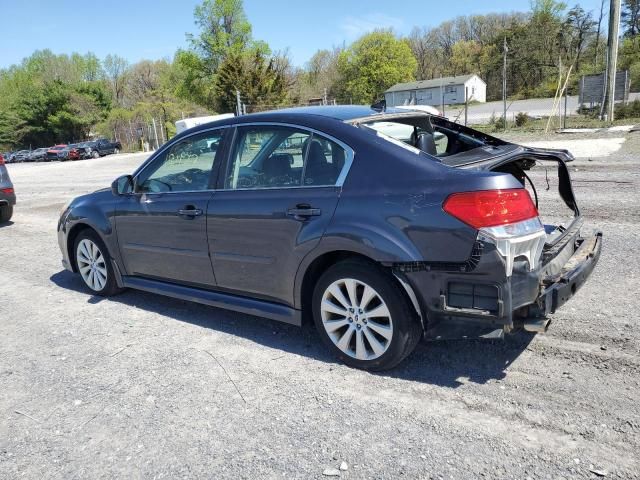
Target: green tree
[
  {"x": 630, "y": 16},
  {"x": 224, "y": 30},
  {"x": 256, "y": 76},
  {"x": 372, "y": 64}
]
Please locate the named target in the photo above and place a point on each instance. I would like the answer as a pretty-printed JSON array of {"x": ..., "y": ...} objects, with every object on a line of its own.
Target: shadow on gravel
[
  {"x": 6, "y": 224},
  {"x": 448, "y": 363}
]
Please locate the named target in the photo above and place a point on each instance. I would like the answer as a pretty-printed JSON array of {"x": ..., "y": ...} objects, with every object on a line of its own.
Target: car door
[
  {"x": 161, "y": 226},
  {"x": 280, "y": 189}
]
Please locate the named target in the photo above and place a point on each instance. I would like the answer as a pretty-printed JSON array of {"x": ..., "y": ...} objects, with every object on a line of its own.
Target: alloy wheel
[
  {"x": 91, "y": 265},
  {"x": 356, "y": 319}
]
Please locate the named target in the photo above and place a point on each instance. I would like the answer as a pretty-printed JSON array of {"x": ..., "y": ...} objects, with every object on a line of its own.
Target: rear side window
[{"x": 283, "y": 157}]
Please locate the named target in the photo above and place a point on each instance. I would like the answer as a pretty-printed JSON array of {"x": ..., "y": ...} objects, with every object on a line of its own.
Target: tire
[
  {"x": 6, "y": 212},
  {"x": 373, "y": 343},
  {"x": 95, "y": 154},
  {"x": 116, "y": 151},
  {"x": 88, "y": 250}
]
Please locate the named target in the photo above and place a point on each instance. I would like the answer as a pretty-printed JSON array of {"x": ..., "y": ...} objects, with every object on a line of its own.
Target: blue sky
[{"x": 137, "y": 29}]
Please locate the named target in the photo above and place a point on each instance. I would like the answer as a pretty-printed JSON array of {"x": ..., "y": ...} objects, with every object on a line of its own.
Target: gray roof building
[{"x": 438, "y": 91}]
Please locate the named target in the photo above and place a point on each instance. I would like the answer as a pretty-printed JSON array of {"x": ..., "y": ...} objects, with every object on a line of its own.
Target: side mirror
[{"x": 122, "y": 185}]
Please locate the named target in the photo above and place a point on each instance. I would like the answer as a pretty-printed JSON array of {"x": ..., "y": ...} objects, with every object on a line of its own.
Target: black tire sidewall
[
  {"x": 406, "y": 326},
  {"x": 6, "y": 212},
  {"x": 110, "y": 287}
]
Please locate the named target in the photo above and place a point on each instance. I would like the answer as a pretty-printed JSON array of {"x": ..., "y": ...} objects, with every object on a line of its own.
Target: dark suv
[{"x": 382, "y": 226}]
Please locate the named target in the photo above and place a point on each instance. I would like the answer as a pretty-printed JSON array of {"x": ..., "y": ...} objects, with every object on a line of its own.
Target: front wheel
[
  {"x": 116, "y": 151},
  {"x": 363, "y": 316},
  {"x": 95, "y": 154},
  {"x": 94, "y": 264}
]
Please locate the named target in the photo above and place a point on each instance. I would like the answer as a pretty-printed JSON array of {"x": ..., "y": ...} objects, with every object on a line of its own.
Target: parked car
[
  {"x": 102, "y": 147},
  {"x": 7, "y": 194},
  {"x": 72, "y": 152},
  {"x": 54, "y": 153},
  {"x": 84, "y": 150},
  {"x": 317, "y": 211},
  {"x": 38, "y": 155},
  {"x": 21, "y": 156}
]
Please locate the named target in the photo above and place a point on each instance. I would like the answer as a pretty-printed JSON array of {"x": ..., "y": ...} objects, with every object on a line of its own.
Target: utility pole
[
  {"x": 155, "y": 131},
  {"x": 504, "y": 83},
  {"x": 466, "y": 104},
  {"x": 612, "y": 57},
  {"x": 238, "y": 104},
  {"x": 324, "y": 97}
]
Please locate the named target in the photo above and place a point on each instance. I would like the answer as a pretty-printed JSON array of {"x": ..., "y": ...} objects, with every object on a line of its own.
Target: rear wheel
[
  {"x": 363, "y": 316},
  {"x": 94, "y": 264},
  {"x": 95, "y": 154},
  {"x": 6, "y": 212}
]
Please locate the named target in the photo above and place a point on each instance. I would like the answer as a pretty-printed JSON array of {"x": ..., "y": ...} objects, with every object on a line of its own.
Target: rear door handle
[
  {"x": 303, "y": 211},
  {"x": 190, "y": 212}
]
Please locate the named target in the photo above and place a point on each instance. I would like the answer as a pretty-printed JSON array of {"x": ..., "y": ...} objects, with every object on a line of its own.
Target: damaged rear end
[
  {"x": 529, "y": 256},
  {"x": 543, "y": 259}
]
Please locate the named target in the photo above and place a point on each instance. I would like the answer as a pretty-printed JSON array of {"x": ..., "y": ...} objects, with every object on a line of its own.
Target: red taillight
[
  {"x": 6, "y": 190},
  {"x": 1, "y": 160},
  {"x": 489, "y": 208}
]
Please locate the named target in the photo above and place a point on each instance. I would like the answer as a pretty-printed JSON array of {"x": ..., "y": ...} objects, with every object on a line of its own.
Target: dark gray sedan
[{"x": 383, "y": 226}]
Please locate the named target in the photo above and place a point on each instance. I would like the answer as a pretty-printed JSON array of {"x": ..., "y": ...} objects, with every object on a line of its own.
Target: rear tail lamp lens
[
  {"x": 490, "y": 208},
  {"x": 8, "y": 191}
]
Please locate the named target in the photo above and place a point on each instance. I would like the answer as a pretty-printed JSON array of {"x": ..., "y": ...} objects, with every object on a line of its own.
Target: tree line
[{"x": 51, "y": 98}]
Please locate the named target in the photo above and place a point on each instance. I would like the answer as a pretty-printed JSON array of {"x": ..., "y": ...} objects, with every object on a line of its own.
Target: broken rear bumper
[
  {"x": 558, "y": 289},
  {"x": 483, "y": 302}
]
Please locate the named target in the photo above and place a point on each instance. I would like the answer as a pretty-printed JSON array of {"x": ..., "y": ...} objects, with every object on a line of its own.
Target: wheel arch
[
  {"x": 74, "y": 231},
  {"x": 307, "y": 278}
]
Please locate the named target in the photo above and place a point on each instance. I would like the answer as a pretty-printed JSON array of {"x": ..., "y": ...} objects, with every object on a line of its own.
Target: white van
[{"x": 187, "y": 123}]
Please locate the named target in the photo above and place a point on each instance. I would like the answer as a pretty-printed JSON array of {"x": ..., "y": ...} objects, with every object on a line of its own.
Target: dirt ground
[{"x": 142, "y": 386}]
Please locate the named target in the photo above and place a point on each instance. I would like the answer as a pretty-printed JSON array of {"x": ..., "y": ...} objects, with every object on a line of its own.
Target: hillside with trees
[{"x": 51, "y": 98}]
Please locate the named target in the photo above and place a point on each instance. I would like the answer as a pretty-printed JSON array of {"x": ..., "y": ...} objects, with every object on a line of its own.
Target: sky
[{"x": 154, "y": 29}]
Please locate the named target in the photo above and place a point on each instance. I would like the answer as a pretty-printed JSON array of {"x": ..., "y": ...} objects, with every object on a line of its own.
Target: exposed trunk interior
[{"x": 549, "y": 185}]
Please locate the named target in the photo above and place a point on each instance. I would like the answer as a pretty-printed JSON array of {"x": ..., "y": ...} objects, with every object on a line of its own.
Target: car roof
[
  {"x": 309, "y": 115},
  {"x": 338, "y": 112}
]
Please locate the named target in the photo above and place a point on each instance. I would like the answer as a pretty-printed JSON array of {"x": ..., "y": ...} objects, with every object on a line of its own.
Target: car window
[
  {"x": 185, "y": 166},
  {"x": 399, "y": 131},
  {"x": 442, "y": 141},
  {"x": 324, "y": 162},
  {"x": 283, "y": 157},
  {"x": 267, "y": 157}
]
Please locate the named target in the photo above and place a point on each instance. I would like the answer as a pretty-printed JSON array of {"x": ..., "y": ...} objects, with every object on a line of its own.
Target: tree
[
  {"x": 116, "y": 70},
  {"x": 224, "y": 33},
  {"x": 256, "y": 76},
  {"x": 631, "y": 17},
  {"x": 579, "y": 28},
  {"x": 224, "y": 30},
  {"x": 320, "y": 75},
  {"x": 374, "y": 63},
  {"x": 598, "y": 30}
]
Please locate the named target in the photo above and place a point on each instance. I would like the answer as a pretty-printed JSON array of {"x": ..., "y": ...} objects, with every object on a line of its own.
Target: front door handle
[
  {"x": 190, "y": 212},
  {"x": 302, "y": 211}
]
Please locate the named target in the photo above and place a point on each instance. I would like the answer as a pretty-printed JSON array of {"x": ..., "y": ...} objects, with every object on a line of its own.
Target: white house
[{"x": 439, "y": 91}]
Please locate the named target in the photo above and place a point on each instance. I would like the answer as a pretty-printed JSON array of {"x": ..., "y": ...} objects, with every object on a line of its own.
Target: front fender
[{"x": 95, "y": 214}]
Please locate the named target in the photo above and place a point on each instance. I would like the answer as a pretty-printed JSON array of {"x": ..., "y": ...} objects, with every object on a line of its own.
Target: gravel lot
[{"x": 141, "y": 386}]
